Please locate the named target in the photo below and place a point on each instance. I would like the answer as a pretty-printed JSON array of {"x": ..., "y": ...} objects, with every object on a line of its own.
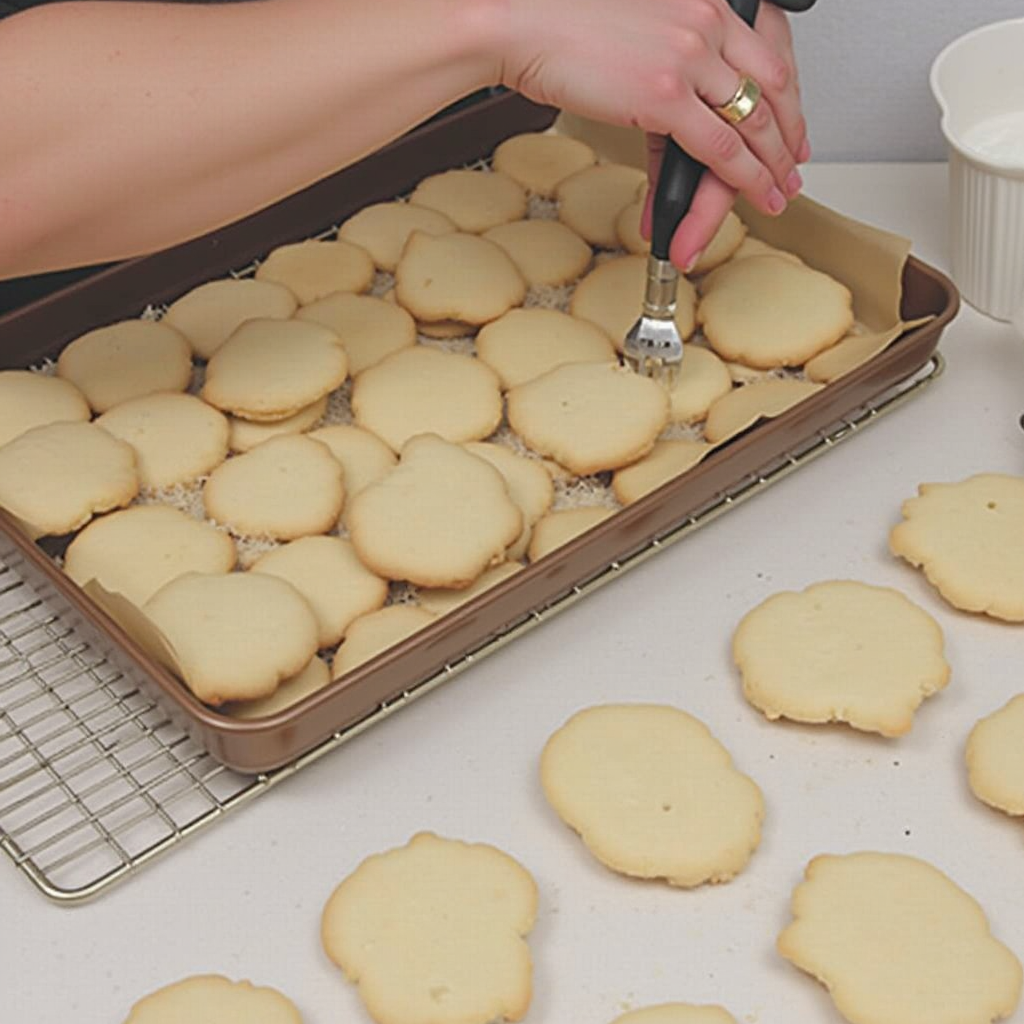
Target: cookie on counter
[
  {"x": 136, "y": 551},
  {"x": 590, "y": 200},
  {"x": 968, "y": 539},
  {"x": 895, "y": 941},
  {"x": 313, "y": 269},
  {"x": 456, "y": 953},
  {"x": 652, "y": 794},
  {"x": 665, "y": 461},
  {"x": 677, "y": 1013},
  {"x": 125, "y": 360},
  {"x": 375, "y": 632},
  {"x": 212, "y": 999},
  {"x": 383, "y": 229},
  {"x": 539, "y": 161},
  {"x": 473, "y": 200},
  {"x": 547, "y": 253},
  {"x": 841, "y": 651},
  {"x": 995, "y": 758},
  {"x": 30, "y": 400}
]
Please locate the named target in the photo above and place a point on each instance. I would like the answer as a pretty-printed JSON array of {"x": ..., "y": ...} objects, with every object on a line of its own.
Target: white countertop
[{"x": 244, "y": 898}]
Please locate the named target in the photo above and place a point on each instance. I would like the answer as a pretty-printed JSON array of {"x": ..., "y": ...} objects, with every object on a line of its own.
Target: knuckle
[
  {"x": 706, "y": 17},
  {"x": 665, "y": 86},
  {"x": 690, "y": 45},
  {"x": 724, "y": 144},
  {"x": 760, "y": 118},
  {"x": 779, "y": 75}
]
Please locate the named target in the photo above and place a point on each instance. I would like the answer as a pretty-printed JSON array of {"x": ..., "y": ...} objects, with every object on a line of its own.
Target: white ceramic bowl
[{"x": 978, "y": 81}]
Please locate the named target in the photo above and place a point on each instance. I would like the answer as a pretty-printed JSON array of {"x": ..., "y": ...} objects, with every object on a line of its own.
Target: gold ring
[{"x": 743, "y": 101}]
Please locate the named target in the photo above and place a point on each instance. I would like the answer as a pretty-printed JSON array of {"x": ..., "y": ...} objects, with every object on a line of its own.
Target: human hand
[{"x": 661, "y": 65}]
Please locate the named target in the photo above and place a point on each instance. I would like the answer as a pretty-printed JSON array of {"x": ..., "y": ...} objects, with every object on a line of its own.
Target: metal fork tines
[{"x": 653, "y": 346}]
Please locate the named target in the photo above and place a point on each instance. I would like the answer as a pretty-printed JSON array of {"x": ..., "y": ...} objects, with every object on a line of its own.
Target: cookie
[
  {"x": 312, "y": 679},
  {"x": 176, "y": 438},
  {"x": 313, "y": 270},
  {"x": 473, "y": 200},
  {"x": 437, "y": 520},
  {"x": 287, "y": 487},
  {"x": 383, "y": 229},
  {"x": 375, "y": 632},
  {"x": 995, "y": 758},
  {"x": 125, "y": 360},
  {"x": 526, "y": 343},
  {"x": 445, "y": 330},
  {"x": 652, "y": 794},
  {"x": 703, "y": 378},
  {"x": 850, "y": 352},
  {"x": 589, "y": 417},
  {"x": 590, "y": 200},
  {"x": 367, "y": 327},
  {"x": 327, "y": 573},
  {"x": 547, "y": 253},
  {"x": 677, "y": 1013},
  {"x": 244, "y": 435},
  {"x": 627, "y": 229},
  {"x": 724, "y": 244},
  {"x": 612, "y": 297},
  {"x": 136, "y": 551},
  {"x": 457, "y": 277},
  {"x": 209, "y": 314},
  {"x": 540, "y": 161},
  {"x": 30, "y": 400},
  {"x": 364, "y": 457},
  {"x": 456, "y": 954},
  {"x": 55, "y": 478},
  {"x": 236, "y": 635},
  {"x": 841, "y": 651},
  {"x": 212, "y": 999},
  {"x": 558, "y": 528},
  {"x": 270, "y": 369},
  {"x": 422, "y": 390},
  {"x": 665, "y": 461},
  {"x": 768, "y": 312},
  {"x": 968, "y": 538},
  {"x": 440, "y": 602},
  {"x": 895, "y": 941},
  {"x": 751, "y": 246},
  {"x": 742, "y": 407}
]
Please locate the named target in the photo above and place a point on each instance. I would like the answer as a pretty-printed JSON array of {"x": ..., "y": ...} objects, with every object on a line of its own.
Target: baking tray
[{"x": 760, "y": 454}]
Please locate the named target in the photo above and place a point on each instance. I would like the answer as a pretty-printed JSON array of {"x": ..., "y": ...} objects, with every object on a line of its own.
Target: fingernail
[
  {"x": 692, "y": 261},
  {"x": 804, "y": 152},
  {"x": 776, "y": 201},
  {"x": 794, "y": 183}
]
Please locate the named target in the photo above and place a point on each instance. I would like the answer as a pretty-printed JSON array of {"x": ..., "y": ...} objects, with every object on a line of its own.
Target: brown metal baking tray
[{"x": 37, "y": 332}]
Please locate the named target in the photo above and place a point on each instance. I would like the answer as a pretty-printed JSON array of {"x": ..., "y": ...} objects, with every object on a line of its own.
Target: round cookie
[
  {"x": 313, "y": 678},
  {"x": 612, "y": 297},
  {"x": 270, "y": 369},
  {"x": 212, "y": 999},
  {"x": 894, "y": 939},
  {"x": 526, "y": 343},
  {"x": 364, "y": 457},
  {"x": 375, "y": 632},
  {"x": 210, "y": 313},
  {"x": 246, "y": 434},
  {"x": 327, "y": 573},
  {"x": 473, "y": 200},
  {"x": 547, "y": 253},
  {"x": 287, "y": 487},
  {"x": 627, "y": 228},
  {"x": 422, "y": 390},
  {"x": 383, "y": 229},
  {"x": 437, "y": 520},
  {"x": 702, "y": 379},
  {"x": 136, "y": 551},
  {"x": 558, "y": 528},
  {"x": 968, "y": 538},
  {"x": 589, "y": 417},
  {"x": 591, "y": 200},
  {"x": 176, "y": 438},
  {"x": 125, "y": 360},
  {"x": 744, "y": 406},
  {"x": 540, "y": 161},
  {"x": 677, "y": 1013},
  {"x": 313, "y": 270},
  {"x": 723, "y": 245},
  {"x": 236, "y": 635},
  {"x": 995, "y": 758},
  {"x": 456, "y": 954},
  {"x": 841, "y": 651},
  {"x": 665, "y": 461},
  {"x": 367, "y": 327},
  {"x": 768, "y": 312},
  {"x": 55, "y": 477},
  {"x": 440, "y": 602},
  {"x": 457, "y": 277},
  {"x": 30, "y": 400},
  {"x": 652, "y": 794}
]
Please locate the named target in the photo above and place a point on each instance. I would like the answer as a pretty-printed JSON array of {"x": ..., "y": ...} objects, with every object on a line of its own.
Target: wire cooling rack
[{"x": 96, "y": 780}]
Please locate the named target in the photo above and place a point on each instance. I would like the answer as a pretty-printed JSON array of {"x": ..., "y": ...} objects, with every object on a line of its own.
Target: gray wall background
[{"x": 864, "y": 72}]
